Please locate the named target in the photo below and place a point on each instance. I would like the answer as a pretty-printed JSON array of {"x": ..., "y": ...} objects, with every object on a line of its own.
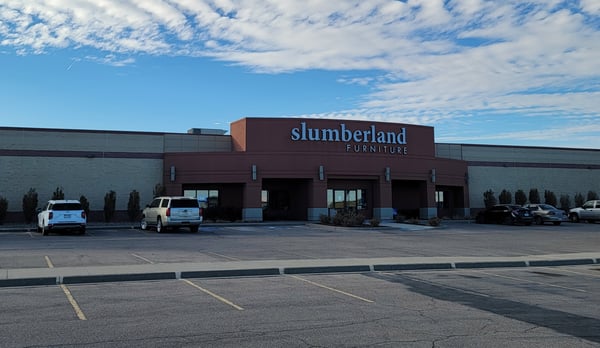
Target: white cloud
[{"x": 434, "y": 60}]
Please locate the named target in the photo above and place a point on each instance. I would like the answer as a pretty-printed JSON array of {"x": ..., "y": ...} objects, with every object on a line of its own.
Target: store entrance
[
  {"x": 449, "y": 200},
  {"x": 285, "y": 199},
  {"x": 350, "y": 196}
]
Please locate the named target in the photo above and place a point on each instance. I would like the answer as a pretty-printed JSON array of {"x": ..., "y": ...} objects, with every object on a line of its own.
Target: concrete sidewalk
[{"x": 98, "y": 274}]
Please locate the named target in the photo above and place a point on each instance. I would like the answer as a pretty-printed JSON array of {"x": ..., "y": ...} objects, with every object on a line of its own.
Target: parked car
[
  {"x": 546, "y": 213},
  {"x": 172, "y": 212},
  {"x": 65, "y": 215},
  {"x": 589, "y": 211},
  {"x": 505, "y": 214}
]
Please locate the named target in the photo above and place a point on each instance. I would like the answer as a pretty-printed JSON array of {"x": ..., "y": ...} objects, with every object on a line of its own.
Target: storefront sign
[{"x": 368, "y": 140}]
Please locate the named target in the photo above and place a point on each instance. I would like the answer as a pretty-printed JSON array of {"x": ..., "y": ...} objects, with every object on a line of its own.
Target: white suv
[
  {"x": 172, "y": 212},
  {"x": 590, "y": 211},
  {"x": 61, "y": 215}
]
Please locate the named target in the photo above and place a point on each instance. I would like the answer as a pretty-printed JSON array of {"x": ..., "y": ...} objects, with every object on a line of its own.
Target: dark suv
[{"x": 505, "y": 214}]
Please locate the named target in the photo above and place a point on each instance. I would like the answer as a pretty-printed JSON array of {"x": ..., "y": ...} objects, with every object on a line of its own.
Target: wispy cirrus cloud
[{"x": 423, "y": 61}]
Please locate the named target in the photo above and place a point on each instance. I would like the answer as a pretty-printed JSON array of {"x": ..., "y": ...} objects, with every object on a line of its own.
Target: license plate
[
  {"x": 526, "y": 214},
  {"x": 67, "y": 216}
]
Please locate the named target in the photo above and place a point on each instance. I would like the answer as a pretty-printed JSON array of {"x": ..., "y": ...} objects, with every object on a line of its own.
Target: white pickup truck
[{"x": 589, "y": 211}]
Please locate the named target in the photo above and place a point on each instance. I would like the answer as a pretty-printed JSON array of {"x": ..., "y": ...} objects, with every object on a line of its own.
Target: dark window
[
  {"x": 165, "y": 203},
  {"x": 67, "y": 206},
  {"x": 184, "y": 203},
  {"x": 155, "y": 203}
]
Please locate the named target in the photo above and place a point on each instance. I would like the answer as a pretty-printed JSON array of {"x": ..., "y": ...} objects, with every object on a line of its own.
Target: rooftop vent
[{"x": 206, "y": 131}]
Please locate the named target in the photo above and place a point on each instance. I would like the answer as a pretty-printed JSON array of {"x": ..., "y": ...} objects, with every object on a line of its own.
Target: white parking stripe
[
  {"x": 143, "y": 258},
  {"x": 222, "y": 299},
  {"x": 569, "y": 271},
  {"x": 332, "y": 289},
  {"x": 530, "y": 281}
]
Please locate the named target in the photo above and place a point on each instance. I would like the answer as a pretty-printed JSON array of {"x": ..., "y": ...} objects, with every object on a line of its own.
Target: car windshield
[
  {"x": 547, "y": 207},
  {"x": 67, "y": 206},
  {"x": 184, "y": 203}
]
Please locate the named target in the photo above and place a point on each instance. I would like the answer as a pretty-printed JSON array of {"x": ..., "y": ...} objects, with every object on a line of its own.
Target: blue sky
[{"x": 483, "y": 72}]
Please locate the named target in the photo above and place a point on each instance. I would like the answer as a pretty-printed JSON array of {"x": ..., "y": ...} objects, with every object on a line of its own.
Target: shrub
[
  {"x": 565, "y": 202},
  {"x": 348, "y": 218},
  {"x": 534, "y": 196},
  {"x": 110, "y": 203},
  {"x": 85, "y": 204},
  {"x": 30, "y": 203},
  {"x": 505, "y": 197},
  {"x": 3, "y": 209},
  {"x": 579, "y": 200},
  {"x": 489, "y": 199},
  {"x": 400, "y": 218},
  {"x": 133, "y": 205},
  {"x": 159, "y": 190},
  {"x": 58, "y": 193},
  {"x": 435, "y": 221},
  {"x": 592, "y": 195},
  {"x": 520, "y": 197},
  {"x": 325, "y": 220},
  {"x": 549, "y": 198},
  {"x": 375, "y": 222},
  {"x": 413, "y": 221}
]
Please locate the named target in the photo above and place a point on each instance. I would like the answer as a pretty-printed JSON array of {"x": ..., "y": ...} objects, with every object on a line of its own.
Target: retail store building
[{"x": 286, "y": 168}]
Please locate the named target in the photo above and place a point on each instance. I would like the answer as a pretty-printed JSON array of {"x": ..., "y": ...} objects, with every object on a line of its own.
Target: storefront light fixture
[
  {"x": 254, "y": 172},
  {"x": 432, "y": 175},
  {"x": 321, "y": 173},
  {"x": 388, "y": 174}
]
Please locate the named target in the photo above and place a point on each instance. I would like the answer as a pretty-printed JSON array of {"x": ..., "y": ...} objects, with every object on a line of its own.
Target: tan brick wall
[
  {"x": 558, "y": 180},
  {"x": 92, "y": 177}
]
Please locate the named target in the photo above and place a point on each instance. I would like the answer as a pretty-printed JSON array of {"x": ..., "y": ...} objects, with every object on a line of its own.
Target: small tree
[
  {"x": 534, "y": 196},
  {"x": 592, "y": 195},
  {"x": 85, "y": 204},
  {"x": 505, "y": 197},
  {"x": 489, "y": 199},
  {"x": 159, "y": 190},
  {"x": 579, "y": 200},
  {"x": 30, "y": 203},
  {"x": 549, "y": 198},
  {"x": 110, "y": 203},
  {"x": 133, "y": 205},
  {"x": 58, "y": 194},
  {"x": 520, "y": 197},
  {"x": 565, "y": 202},
  {"x": 3, "y": 209}
]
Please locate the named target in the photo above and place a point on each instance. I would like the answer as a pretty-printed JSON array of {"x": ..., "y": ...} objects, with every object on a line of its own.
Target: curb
[{"x": 123, "y": 277}]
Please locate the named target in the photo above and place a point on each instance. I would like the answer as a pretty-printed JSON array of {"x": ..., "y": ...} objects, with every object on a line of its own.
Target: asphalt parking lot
[{"x": 532, "y": 305}]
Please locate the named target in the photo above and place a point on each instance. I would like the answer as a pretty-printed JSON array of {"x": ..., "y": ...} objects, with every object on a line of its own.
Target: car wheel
[
  {"x": 538, "y": 220},
  {"x": 143, "y": 224},
  {"x": 556, "y": 223},
  {"x": 81, "y": 231},
  {"x": 159, "y": 226},
  {"x": 509, "y": 220},
  {"x": 574, "y": 218},
  {"x": 194, "y": 228},
  {"x": 44, "y": 231}
]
